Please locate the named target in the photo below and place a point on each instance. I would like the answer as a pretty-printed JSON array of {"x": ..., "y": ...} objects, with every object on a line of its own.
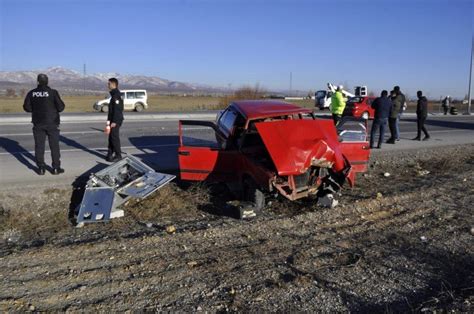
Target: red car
[
  {"x": 360, "y": 107},
  {"x": 259, "y": 147}
]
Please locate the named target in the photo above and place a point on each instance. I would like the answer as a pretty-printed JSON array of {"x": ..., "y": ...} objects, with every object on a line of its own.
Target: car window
[
  {"x": 320, "y": 94},
  {"x": 200, "y": 136},
  {"x": 140, "y": 95},
  {"x": 122, "y": 95},
  {"x": 227, "y": 121},
  {"x": 352, "y": 130},
  {"x": 354, "y": 100},
  {"x": 131, "y": 95}
]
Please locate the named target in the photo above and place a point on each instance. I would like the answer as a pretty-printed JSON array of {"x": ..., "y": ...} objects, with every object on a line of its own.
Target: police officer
[
  {"x": 45, "y": 105},
  {"x": 114, "y": 119}
]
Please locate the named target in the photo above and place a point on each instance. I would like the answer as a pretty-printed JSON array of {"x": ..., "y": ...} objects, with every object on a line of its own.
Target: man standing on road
[
  {"x": 114, "y": 120},
  {"x": 337, "y": 105},
  {"x": 421, "y": 114},
  {"x": 383, "y": 107},
  {"x": 445, "y": 105},
  {"x": 401, "y": 99},
  {"x": 398, "y": 102},
  {"x": 45, "y": 105}
]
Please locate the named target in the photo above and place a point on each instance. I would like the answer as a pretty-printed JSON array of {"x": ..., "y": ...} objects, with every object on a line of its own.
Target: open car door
[
  {"x": 354, "y": 142},
  {"x": 201, "y": 153}
]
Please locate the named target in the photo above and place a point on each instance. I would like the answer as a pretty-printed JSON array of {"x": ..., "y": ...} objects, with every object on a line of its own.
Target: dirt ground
[{"x": 402, "y": 242}]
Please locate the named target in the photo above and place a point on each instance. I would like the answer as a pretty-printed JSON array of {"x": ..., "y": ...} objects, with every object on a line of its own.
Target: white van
[{"x": 136, "y": 99}]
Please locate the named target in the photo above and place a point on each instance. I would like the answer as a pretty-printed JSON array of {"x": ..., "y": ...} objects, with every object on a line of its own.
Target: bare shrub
[{"x": 243, "y": 93}]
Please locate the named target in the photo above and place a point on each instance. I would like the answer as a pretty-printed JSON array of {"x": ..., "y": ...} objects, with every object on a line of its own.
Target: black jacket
[
  {"x": 115, "y": 107},
  {"x": 45, "y": 105},
  {"x": 382, "y": 107},
  {"x": 422, "y": 107}
]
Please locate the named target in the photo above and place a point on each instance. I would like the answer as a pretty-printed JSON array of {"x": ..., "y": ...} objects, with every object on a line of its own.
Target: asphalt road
[{"x": 83, "y": 146}]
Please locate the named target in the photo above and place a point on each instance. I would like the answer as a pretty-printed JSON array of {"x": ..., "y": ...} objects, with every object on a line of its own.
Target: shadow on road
[
  {"x": 20, "y": 153},
  {"x": 446, "y": 124},
  {"x": 77, "y": 145},
  {"x": 160, "y": 152}
]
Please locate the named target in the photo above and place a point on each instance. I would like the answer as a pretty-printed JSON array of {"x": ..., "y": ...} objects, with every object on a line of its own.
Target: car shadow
[
  {"x": 19, "y": 152},
  {"x": 159, "y": 152}
]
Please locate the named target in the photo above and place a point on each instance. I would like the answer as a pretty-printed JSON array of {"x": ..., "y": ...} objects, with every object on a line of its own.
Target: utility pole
[
  {"x": 470, "y": 79},
  {"x": 291, "y": 83},
  {"x": 84, "y": 79}
]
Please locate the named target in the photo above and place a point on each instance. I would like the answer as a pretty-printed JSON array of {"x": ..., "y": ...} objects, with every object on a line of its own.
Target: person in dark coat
[
  {"x": 421, "y": 114},
  {"x": 392, "y": 119},
  {"x": 114, "y": 120},
  {"x": 45, "y": 105},
  {"x": 445, "y": 105},
  {"x": 383, "y": 108}
]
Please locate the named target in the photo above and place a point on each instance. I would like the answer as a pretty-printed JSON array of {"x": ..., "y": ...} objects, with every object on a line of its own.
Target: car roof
[
  {"x": 133, "y": 90},
  {"x": 254, "y": 109}
]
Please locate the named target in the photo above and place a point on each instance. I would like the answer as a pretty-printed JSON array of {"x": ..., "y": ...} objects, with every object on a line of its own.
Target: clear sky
[{"x": 418, "y": 44}]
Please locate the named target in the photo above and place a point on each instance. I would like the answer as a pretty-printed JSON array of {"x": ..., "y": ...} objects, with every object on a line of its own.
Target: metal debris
[{"x": 111, "y": 187}]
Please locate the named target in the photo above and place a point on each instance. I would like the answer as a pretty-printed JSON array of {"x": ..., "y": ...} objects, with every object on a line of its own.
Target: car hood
[{"x": 295, "y": 145}]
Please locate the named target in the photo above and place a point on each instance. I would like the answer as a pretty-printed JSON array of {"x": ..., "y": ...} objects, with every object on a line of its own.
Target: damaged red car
[{"x": 263, "y": 148}]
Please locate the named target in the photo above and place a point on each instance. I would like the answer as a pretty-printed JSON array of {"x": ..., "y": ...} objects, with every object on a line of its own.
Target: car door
[
  {"x": 203, "y": 155},
  {"x": 354, "y": 143},
  {"x": 129, "y": 101}
]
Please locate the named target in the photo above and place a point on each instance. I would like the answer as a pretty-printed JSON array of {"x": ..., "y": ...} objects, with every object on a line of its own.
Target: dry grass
[
  {"x": 155, "y": 102},
  {"x": 170, "y": 201}
]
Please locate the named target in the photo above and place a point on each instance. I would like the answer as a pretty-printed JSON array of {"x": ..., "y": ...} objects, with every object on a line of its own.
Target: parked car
[
  {"x": 272, "y": 147},
  {"x": 359, "y": 107},
  {"x": 132, "y": 100}
]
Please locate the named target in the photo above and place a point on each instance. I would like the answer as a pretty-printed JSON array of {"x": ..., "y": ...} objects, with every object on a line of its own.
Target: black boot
[
  {"x": 41, "y": 171},
  {"x": 57, "y": 171},
  {"x": 417, "y": 139}
]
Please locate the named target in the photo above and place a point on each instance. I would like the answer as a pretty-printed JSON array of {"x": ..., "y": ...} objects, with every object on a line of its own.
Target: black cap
[{"x": 42, "y": 79}]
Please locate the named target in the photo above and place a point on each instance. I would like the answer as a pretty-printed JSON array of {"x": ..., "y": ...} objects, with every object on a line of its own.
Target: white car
[{"x": 132, "y": 100}]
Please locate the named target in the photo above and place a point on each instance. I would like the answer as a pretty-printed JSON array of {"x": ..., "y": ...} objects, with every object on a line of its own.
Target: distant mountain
[{"x": 72, "y": 81}]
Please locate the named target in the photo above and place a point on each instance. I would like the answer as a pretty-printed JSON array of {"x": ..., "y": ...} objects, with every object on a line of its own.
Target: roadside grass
[{"x": 164, "y": 103}]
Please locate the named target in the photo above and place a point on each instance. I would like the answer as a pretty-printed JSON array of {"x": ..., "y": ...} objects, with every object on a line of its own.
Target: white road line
[
  {"x": 96, "y": 131},
  {"x": 96, "y": 149}
]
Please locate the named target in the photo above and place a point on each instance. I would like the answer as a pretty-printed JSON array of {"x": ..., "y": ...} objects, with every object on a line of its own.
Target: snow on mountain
[{"x": 63, "y": 78}]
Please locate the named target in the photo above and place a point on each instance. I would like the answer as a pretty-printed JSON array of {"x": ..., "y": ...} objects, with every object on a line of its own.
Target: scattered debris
[
  {"x": 423, "y": 239},
  {"x": 379, "y": 195},
  {"x": 327, "y": 201},
  {"x": 192, "y": 263},
  {"x": 422, "y": 172},
  {"x": 472, "y": 230},
  {"x": 386, "y": 174},
  {"x": 111, "y": 187},
  {"x": 171, "y": 229}
]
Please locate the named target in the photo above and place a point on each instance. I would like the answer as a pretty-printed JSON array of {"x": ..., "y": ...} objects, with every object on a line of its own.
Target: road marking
[
  {"x": 91, "y": 149},
  {"x": 171, "y": 145},
  {"x": 96, "y": 131}
]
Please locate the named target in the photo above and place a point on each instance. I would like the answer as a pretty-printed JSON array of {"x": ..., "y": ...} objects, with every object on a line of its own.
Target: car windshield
[
  {"x": 320, "y": 94},
  {"x": 354, "y": 100}
]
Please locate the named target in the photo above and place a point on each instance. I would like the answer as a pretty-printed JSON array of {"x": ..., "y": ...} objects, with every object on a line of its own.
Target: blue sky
[{"x": 417, "y": 44}]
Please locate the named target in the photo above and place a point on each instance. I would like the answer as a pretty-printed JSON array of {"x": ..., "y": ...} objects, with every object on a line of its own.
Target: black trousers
[
  {"x": 421, "y": 126},
  {"x": 445, "y": 109},
  {"x": 336, "y": 118},
  {"x": 377, "y": 125},
  {"x": 40, "y": 132},
  {"x": 392, "y": 125},
  {"x": 114, "y": 142}
]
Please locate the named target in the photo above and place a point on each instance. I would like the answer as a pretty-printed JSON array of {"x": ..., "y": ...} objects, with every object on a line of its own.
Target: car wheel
[
  {"x": 105, "y": 108},
  {"x": 365, "y": 115},
  {"x": 253, "y": 194},
  {"x": 139, "y": 107}
]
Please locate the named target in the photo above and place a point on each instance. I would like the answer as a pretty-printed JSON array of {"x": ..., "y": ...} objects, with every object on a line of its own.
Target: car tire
[
  {"x": 139, "y": 107},
  {"x": 105, "y": 108},
  {"x": 251, "y": 193},
  {"x": 365, "y": 115}
]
